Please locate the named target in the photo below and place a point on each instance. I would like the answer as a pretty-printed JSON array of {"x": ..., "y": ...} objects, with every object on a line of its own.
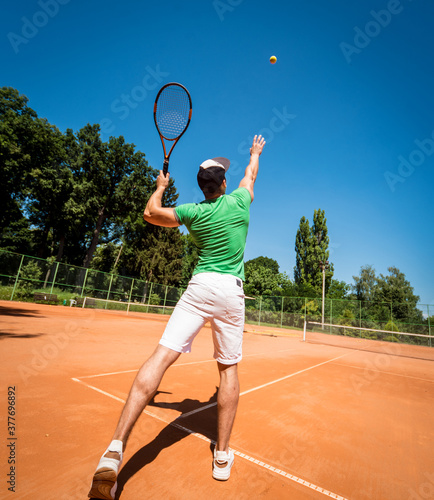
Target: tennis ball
[{"x": 273, "y": 59}]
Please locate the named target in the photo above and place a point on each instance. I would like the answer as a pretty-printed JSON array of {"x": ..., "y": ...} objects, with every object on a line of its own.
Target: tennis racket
[{"x": 172, "y": 115}]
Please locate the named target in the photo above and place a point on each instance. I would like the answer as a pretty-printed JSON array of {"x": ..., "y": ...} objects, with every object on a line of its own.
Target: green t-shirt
[{"x": 219, "y": 230}]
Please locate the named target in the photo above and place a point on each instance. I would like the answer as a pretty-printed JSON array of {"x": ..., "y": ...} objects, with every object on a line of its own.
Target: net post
[{"x": 304, "y": 331}]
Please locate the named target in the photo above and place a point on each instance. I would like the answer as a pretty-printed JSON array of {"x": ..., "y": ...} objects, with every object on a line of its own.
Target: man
[{"x": 218, "y": 226}]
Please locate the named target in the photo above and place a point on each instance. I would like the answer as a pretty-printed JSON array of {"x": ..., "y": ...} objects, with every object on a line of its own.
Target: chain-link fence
[{"x": 21, "y": 276}]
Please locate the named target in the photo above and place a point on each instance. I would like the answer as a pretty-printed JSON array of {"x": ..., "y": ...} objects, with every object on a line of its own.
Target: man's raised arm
[
  {"x": 248, "y": 181},
  {"x": 154, "y": 212}
]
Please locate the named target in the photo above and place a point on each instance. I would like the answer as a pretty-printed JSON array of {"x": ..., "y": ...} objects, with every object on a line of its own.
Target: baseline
[{"x": 249, "y": 458}]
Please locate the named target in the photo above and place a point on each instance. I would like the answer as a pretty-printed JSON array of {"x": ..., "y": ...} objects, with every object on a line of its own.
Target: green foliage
[
  {"x": 395, "y": 288},
  {"x": 29, "y": 275},
  {"x": 365, "y": 284},
  {"x": 338, "y": 290},
  {"x": 73, "y": 195},
  {"x": 190, "y": 257},
  {"x": 391, "y": 327},
  {"x": 387, "y": 297},
  {"x": 265, "y": 262},
  {"x": 312, "y": 307},
  {"x": 311, "y": 248},
  {"x": 261, "y": 277}
]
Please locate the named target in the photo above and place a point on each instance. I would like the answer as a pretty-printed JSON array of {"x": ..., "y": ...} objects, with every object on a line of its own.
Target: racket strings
[{"x": 172, "y": 112}]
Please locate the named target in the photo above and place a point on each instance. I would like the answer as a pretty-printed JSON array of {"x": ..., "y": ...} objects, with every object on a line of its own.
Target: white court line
[
  {"x": 177, "y": 364},
  {"x": 255, "y": 461},
  {"x": 369, "y": 369},
  {"x": 292, "y": 375},
  {"x": 197, "y": 410}
]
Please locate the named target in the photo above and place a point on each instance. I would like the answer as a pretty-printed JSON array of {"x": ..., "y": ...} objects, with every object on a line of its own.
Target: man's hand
[
  {"x": 258, "y": 145},
  {"x": 249, "y": 178},
  {"x": 163, "y": 181},
  {"x": 154, "y": 212}
]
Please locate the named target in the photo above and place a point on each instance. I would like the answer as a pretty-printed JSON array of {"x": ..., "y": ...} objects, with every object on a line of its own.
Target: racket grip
[{"x": 165, "y": 167}]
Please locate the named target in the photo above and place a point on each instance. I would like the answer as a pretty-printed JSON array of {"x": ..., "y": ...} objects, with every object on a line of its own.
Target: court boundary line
[
  {"x": 368, "y": 368},
  {"x": 249, "y": 458},
  {"x": 197, "y": 410},
  {"x": 177, "y": 364}
]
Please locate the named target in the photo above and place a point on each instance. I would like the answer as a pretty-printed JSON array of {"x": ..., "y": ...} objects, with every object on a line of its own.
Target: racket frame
[{"x": 162, "y": 137}]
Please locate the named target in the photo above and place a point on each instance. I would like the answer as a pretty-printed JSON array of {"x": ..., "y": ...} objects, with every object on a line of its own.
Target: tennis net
[
  {"x": 413, "y": 345},
  {"x": 128, "y": 307}
]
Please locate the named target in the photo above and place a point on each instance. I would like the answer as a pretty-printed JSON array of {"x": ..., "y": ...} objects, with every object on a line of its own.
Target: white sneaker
[
  {"x": 222, "y": 464},
  {"x": 104, "y": 482}
]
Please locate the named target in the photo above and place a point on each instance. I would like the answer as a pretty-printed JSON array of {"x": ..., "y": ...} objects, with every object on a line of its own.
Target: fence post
[
  {"x": 18, "y": 275},
  {"x": 281, "y": 313},
  {"x": 165, "y": 297},
  {"x": 360, "y": 314},
  {"x": 129, "y": 297},
  {"x": 54, "y": 277},
  {"x": 84, "y": 282},
  {"x": 109, "y": 289},
  {"x": 331, "y": 314},
  {"x": 429, "y": 324},
  {"x": 149, "y": 297},
  {"x": 260, "y": 308}
]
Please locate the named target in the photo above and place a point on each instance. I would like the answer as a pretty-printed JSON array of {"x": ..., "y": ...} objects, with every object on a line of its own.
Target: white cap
[{"x": 216, "y": 162}]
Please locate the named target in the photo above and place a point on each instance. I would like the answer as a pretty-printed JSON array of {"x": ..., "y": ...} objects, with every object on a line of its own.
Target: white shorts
[{"x": 214, "y": 297}]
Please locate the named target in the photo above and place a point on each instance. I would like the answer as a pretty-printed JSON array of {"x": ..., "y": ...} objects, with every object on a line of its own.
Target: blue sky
[{"x": 347, "y": 110}]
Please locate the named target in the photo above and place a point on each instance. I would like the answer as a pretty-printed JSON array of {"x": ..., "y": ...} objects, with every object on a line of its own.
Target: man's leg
[
  {"x": 227, "y": 403},
  {"x": 144, "y": 387}
]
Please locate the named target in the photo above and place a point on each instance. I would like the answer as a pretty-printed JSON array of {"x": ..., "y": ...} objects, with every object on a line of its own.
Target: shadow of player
[{"x": 203, "y": 422}]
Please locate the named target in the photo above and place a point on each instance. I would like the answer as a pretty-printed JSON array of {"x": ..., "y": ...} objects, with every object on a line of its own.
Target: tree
[
  {"x": 151, "y": 252},
  {"x": 110, "y": 181},
  {"x": 338, "y": 290},
  {"x": 311, "y": 248},
  {"x": 263, "y": 262},
  {"x": 190, "y": 258},
  {"x": 51, "y": 185},
  {"x": 397, "y": 290},
  {"x": 18, "y": 144},
  {"x": 365, "y": 284},
  {"x": 262, "y": 277}
]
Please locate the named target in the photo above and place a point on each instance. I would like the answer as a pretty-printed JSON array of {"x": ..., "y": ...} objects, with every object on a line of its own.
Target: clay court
[{"x": 314, "y": 421}]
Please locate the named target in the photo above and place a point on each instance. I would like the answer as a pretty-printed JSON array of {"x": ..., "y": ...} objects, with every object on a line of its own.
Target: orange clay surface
[{"x": 313, "y": 422}]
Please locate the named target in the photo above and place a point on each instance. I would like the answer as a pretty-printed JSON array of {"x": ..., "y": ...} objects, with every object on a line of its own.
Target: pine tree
[{"x": 311, "y": 247}]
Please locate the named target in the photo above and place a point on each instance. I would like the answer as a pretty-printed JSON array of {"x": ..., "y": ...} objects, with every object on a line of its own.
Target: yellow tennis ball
[{"x": 273, "y": 59}]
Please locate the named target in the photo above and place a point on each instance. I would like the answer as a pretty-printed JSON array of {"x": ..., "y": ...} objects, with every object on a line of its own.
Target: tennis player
[{"x": 218, "y": 226}]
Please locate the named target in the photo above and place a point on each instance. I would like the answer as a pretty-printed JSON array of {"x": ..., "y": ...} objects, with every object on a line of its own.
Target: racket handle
[{"x": 165, "y": 167}]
